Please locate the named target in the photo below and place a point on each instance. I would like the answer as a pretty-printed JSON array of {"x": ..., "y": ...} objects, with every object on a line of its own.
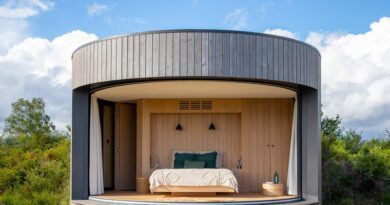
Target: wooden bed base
[{"x": 193, "y": 190}]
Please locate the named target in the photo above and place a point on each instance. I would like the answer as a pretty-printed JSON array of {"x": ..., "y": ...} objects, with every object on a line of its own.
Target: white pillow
[{"x": 218, "y": 163}]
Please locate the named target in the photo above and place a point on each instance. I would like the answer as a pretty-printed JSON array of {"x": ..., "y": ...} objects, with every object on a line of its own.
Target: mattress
[{"x": 193, "y": 178}]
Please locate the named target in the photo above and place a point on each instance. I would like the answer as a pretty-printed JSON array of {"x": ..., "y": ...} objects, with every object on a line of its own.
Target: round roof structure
[{"x": 196, "y": 54}]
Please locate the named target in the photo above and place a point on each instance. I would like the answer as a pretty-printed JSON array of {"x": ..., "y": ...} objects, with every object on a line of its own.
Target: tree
[{"x": 28, "y": 118}]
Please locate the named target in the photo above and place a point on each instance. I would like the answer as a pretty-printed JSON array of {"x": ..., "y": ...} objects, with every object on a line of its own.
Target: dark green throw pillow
[
  {"x": 194, "y": 164},
  {"x": 209, "y": 158},
  {"x": 181, "y": 157}
]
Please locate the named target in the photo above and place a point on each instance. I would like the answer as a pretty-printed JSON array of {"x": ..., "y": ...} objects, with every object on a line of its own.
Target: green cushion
[
  {"x": 194, "y": 164},
  {"x": 181, "y": 157},
  {"x": 209, "y": 158}
]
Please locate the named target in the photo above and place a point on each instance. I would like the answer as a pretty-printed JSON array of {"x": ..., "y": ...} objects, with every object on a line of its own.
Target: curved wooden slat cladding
[{"x": 196, "y": 53}]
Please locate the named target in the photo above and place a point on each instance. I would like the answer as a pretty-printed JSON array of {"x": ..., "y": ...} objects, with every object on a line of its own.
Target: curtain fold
[
  {"x": 292, "y": 174},
  {"x": 95, "y": 150}
]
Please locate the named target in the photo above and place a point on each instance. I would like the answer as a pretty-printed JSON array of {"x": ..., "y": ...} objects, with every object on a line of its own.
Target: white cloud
[
  {"x": 282, "y": 32},
  {"x": 237, "y": 19},
  {"x": 356, "y": 76},
  {"x": 38, "y": 67},
  {"x": 96, "y": 9},
  {"x": 13, "y": 20},
  {"x": 23, "y": 8}
]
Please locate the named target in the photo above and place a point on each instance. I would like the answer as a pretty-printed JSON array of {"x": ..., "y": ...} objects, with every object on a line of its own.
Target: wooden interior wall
[
  {"x": 262, "y": 121},
  {"x": 195, "y": 136}
]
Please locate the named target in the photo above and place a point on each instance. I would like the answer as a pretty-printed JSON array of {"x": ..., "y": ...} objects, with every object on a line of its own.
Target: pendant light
[
  {"x": 178, "y": 126},
  {"x": 212, "y": 126}
]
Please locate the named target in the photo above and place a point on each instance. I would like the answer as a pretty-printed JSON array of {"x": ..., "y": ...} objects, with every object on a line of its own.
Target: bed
[{"x": 194, "y": 181}]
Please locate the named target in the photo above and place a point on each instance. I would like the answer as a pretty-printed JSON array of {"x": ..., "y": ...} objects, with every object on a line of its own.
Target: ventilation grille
[{"x": 195, "y": 105}]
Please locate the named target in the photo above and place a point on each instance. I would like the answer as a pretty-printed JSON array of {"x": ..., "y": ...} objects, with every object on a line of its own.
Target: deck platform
[{"x": 130, "y": 196}]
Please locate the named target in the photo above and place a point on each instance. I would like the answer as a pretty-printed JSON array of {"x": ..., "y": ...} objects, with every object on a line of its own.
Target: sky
[{"x": 37, "y": 38}]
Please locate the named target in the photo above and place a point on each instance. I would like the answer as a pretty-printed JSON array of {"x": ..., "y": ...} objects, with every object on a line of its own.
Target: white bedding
[{"x": 193, "y": 177}]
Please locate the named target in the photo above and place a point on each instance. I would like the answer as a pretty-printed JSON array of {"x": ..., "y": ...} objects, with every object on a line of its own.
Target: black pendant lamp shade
[
  {"x": 178, "y": 126},
  {"x": 212, "y": 126}
]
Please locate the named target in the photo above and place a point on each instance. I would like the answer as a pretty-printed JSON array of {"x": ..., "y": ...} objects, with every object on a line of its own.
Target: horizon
[{"x": 35, "y": 52}]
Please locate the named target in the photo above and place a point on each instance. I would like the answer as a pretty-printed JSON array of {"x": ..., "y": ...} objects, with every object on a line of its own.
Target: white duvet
[{"x": 193, "y": 177}]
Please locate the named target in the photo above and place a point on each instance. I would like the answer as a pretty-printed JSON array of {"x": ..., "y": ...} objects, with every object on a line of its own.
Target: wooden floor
[{"x": 240, "y": 197}]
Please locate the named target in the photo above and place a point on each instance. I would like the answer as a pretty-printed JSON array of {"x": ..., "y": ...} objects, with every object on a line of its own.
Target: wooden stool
[
  {"x": 271, "y": 189},
  {"x": 142, "y": 185}
]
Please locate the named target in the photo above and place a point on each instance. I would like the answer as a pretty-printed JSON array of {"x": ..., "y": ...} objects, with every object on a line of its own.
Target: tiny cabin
[{"x": 196, "y": 116}]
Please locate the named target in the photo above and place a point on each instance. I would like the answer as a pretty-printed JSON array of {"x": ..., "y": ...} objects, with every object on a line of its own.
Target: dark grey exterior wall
[
  {"x": 199, "y": 54},
  {"x": 311, "y": 143},
  {"x": 80, "y": 144}
]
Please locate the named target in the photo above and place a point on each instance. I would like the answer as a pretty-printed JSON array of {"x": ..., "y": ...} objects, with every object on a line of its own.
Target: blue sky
[
  {"x": 37, "y": 38},
  {"x": 300, "y": 17}
]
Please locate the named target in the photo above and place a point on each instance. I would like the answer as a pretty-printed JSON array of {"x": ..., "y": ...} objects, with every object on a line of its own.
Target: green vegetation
[
  {"x": 354, "y": 171},
  {"x": 34, "y": 157},
  {"x": 34, "y": 161}
]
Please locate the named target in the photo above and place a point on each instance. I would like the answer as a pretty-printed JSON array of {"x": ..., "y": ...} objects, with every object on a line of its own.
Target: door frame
[{"x": 102, "y": 103}]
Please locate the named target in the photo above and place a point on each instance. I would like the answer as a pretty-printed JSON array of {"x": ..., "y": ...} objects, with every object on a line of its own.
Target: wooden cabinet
[{"x": 266, "y": 134}]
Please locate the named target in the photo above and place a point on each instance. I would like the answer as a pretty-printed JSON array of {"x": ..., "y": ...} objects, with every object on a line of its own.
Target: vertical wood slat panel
[
  {"x": 142, "y": 56},
  {"x": 87, "y": 65},
  {"x": 300, "y": 65},
  {"x": 276, "y": 68},
  {"x": 260, "y": 67},
  {"x": 124, "y": 67},
  {"x": 252, "y": 56},
  {"x": 169, "y": 66},
  {"x": 246, "y": 55},
  {"x": 240, "y": 55},
  {"x": 270, "y": 58},
  {"x": 205, "y": 54},
  {"x": 95, "y": 66},
  {"x": 162, "y": 54},
  {"x": 233, "y": 55},
  {"x": 225, "y": 54},
  {"x": 99, "y": 61},
  {"x": 198, "y": 53},
  {"x": 305, "y": 66},
  {"x": 183, "y": 70},
  {"x": 113, "y": 58},
  {"x": 218, "y": 54},
  {"x": 108, "y": 71},
  {"x": 156, "y": 57},
  {"x": 264, "y": 57},
  {"x": 176, "y": 54},
  {"x": 289, "y": 61},
  {"x": 136, "y": 53},
  {"x": 85, "y": 62},
  {"x": 190, "y": 54},
  {"x": 149, "y": 55},
  {"x": 130, "y": 56},
  {"x": 195, "y": 136},
  {"x": 285, "y": 60},
  {"x": 294, "y": 63},
  {"x": 211, "y": 53},
  {"x": 104, "y": 60},
  {"x": 79, "y": 67},
  {"x": 118, "y": 58},
  {"x": 280, "y": 62},
  {"x": 91, "y": 63}
]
